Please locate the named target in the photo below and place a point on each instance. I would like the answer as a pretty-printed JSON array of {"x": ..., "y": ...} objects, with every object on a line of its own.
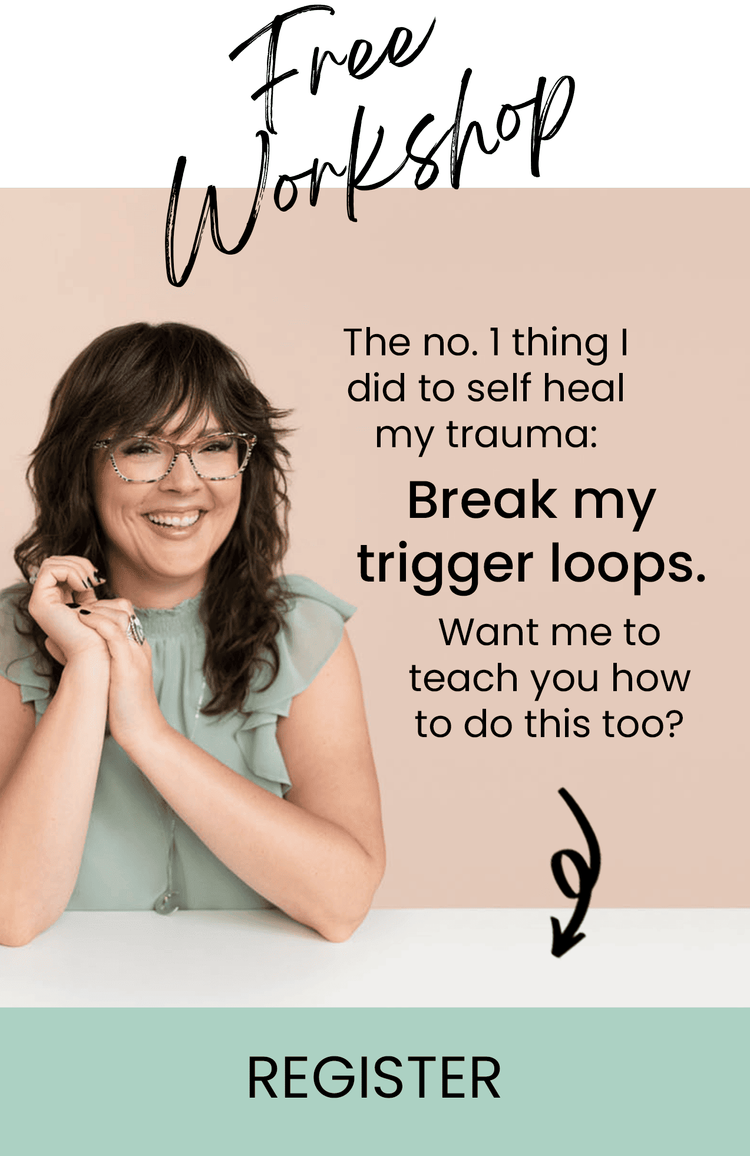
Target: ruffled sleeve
[
  {"x": 313, "y": 628},
  {"x": 19, "y": 659}
]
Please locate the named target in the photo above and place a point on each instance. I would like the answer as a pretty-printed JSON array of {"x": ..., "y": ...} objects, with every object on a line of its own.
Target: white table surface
[{"x": 398, "y": 958}]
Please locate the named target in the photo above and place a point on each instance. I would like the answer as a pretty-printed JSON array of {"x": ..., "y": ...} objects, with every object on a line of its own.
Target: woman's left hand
[{"x": 134, "y": 712}]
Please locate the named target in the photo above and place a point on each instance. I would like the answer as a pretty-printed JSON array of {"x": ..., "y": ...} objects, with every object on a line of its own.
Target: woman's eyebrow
[{"x": 211, "y": 431}]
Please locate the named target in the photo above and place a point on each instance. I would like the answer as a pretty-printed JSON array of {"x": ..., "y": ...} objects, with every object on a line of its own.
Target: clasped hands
[{"x": 83, "y": 629}]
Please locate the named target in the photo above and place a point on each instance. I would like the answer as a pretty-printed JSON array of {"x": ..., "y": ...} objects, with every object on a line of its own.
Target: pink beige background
[{"x": 472, "y": 822}]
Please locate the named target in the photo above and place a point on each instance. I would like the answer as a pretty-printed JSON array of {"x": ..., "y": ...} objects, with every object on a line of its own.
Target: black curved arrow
[{"x": 588, "y": 873}]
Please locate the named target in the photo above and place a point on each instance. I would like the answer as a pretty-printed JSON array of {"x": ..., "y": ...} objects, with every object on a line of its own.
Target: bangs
[
  {"x": 147, "y": 379},
  {"x": 193, "y": 405},
  {"x": 191, "y": 382}
]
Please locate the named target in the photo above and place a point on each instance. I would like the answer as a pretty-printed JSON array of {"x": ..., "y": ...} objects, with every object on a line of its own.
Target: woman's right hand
[{"x": 61, "y": 581}]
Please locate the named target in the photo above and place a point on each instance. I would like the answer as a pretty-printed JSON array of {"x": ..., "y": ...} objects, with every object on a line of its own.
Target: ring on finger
[{"x": 135, "y": 630}]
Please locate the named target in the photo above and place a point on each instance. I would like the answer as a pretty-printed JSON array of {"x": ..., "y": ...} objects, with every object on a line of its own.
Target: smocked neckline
[{"x": 177, "y": 619}]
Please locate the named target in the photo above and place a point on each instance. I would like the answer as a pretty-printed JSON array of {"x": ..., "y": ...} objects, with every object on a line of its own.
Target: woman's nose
[{"x": 182, "y": 476}]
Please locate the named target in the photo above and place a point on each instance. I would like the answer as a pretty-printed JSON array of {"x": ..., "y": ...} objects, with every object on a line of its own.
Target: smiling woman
[{"x": 183, "y": 725}]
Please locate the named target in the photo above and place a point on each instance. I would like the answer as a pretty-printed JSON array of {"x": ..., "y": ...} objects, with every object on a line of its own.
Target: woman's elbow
[
  {"x": 340, "y": 924},
  {"x": 340, "y": 928},
  {"x": 18, "y": 927},
  {"x": 338, "y": 933},
  {"x": 18, "y": 934}
]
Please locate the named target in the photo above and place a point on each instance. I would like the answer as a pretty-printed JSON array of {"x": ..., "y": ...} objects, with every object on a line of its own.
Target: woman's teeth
[{"x": 173, "y": 520}]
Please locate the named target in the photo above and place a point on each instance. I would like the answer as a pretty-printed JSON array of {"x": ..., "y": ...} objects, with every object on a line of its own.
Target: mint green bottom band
[{"x": 602, "y": 1082}]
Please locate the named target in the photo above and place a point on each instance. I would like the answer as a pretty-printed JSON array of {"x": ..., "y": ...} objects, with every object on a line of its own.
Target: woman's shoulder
[
  {"x": 10, "y": 612},
  {"x": 313, "y": 625},
  {"x": 311, "y": 602},
  {"x": 19, "y": 658}
]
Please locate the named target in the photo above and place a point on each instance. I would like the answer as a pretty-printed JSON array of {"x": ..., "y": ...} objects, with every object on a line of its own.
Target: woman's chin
[{"x": 178, "y": 576}]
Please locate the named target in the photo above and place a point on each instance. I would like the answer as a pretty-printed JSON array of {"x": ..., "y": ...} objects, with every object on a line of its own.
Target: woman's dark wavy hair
[{"x": 135, "y": 379}]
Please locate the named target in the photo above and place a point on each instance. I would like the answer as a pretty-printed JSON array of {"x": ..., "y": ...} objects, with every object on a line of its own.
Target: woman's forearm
[
  {"x": 45, "y": 803},
  {"x": 311, "y": 868}
]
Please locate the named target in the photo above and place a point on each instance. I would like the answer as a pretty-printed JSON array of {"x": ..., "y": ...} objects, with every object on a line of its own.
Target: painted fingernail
[{"x": 84, "y": 611}]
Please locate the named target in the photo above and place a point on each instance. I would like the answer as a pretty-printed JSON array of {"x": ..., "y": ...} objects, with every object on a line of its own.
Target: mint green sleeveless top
[{"x": 134, "y": 841}]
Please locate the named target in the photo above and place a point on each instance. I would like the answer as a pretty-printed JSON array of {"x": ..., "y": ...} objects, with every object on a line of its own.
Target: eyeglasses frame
[{"x": 250, "y": 441}]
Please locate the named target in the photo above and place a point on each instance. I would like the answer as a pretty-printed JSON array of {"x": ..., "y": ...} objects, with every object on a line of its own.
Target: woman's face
[{"x": 143, "y": 552}]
